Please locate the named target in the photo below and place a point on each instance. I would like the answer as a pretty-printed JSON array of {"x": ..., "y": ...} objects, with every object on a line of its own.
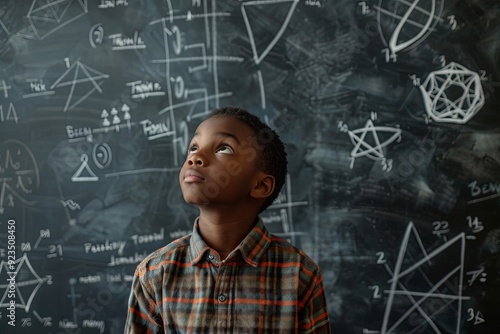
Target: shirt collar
[{"x": 252, "y": 248}]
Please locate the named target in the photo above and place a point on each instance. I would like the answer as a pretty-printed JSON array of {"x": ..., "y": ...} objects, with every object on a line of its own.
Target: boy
[{"x": 230, "y": 275}]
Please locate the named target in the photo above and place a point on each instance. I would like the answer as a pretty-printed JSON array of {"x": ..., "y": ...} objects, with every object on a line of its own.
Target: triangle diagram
[
  {"x": 84, "y": 173},
  {"x": 79, "y": 73},
  {"x": 438, "y": 267},
  {"x": 53, "y": 10},
  {"x": 45, "y": 13},
  {"x": 48, "y": 16},
  {"x": 264, "y": 30},
  {"x": 82, "y": 73},
  {"x": 420, "y": 278}
]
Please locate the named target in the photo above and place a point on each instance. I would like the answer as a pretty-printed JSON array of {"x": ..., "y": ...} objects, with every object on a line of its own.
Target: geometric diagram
[
  {"x": 372, "y": 147},
  {"x": 115, "y": 118},
  {"x": 77, "y": 177},
  {"x": 27, "y": 283},
  {"x": 96, "y": 35},
  {"x": 48, "y": 16},
  {"x": 453, "y": 94},
  {"x": 89, "y": 75},
  {"x": 19, "y": 173},
  {"x": 281, "y": 212},
  {"x": 407, "y": 22},
  {"x": 102, "y": 155},
  {"x": 73, "y": 296},
  {"x": 257, "y": 22},
  {"x": 416, "y": 286},
  {"x": 191, "y": 67}
]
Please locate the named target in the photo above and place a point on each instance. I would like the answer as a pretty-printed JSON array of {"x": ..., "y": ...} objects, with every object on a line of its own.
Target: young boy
[{"x": 230, "y": 275}]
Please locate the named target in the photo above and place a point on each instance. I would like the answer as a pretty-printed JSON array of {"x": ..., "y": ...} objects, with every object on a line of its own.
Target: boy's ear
[{"x": 264, "y": 186}]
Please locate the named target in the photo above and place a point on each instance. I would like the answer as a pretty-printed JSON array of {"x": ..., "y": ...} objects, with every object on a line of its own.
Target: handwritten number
[{"x": 381, "y": 258}]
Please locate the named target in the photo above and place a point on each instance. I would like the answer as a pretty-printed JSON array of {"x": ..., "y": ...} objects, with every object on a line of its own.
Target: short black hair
[{"x": 271, "y": 150}]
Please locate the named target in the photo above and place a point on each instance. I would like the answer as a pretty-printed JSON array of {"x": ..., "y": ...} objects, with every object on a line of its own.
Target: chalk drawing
[
  {"x": 5, "y": 87},
  {"x": 48, "y": 16},
  {"x": 96, "y": 35},
  {"x": 452, "y": 94},
  {"x": 19, "y": 174},
  {"x": 371, "y": 147},
  {"x": 407, "y": 22},
  {"x": 79, "y": 74},
  {"x": 84, "y": 167},
  {"x": 102, "y": 155},
  {"x": 258, "y": 56},
  {"x": 184, "y": 58},
  {"x": 284, "y": 204},
  {"x": 27, "y": 284},
  {"x": 405, "y": 300}
]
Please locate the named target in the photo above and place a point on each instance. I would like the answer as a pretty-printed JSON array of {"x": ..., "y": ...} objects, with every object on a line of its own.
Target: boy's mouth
[{"x": 193, "y": 176}]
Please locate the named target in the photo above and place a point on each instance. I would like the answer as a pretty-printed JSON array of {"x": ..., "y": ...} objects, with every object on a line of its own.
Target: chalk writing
[
  {"x": 154, "y": 131},
  {"x": 10, "y": 115},
  {"x": 140, "y": 89},
  {"x": 146, "y": 238},
  {"x": 78, "y": 132},
  {"x": 107, "y": 246},
  {"x": 112, "y": 3},
  {"x": 99, "y": 324},
  {"x": 125, "y": 260},
  {"x": 483, "y": 189},
  {"x": 90, "y": 279},
  {"x": 127, "y": 43},
  {"x": 66, "y": 324},
  {"x": 37, "y": 87}
]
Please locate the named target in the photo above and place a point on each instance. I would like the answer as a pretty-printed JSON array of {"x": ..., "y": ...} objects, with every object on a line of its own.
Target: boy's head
[
  {"x": 257, "y": 147},
  {"x": 271, "y": 154}
]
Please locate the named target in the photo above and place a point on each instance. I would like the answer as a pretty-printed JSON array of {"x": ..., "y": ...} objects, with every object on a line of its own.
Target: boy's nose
[{"x": 196, "y": 159}]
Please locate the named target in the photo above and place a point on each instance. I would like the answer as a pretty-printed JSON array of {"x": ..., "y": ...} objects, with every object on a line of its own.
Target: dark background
[{"x": 390, "y": 115}]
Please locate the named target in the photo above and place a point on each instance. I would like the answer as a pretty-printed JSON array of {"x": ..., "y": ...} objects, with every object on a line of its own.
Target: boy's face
[{"x": 221, "y": 164}]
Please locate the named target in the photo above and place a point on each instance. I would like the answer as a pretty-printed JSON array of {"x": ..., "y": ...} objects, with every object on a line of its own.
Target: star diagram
[
  {"x": 373, "y": 147},
  {"x": 27, "y": 283}
]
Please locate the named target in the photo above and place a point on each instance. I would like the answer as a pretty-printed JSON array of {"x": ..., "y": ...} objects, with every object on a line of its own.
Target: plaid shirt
[{"x": 264, "y": 286}]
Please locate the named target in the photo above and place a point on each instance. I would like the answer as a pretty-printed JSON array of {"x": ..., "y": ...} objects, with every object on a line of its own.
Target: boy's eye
[
  {"x": 225, "y": 149},
  {"x": 192, "y": 148}
]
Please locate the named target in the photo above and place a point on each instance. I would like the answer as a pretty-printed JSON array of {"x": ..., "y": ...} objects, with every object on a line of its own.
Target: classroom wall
[{"x": 390, "y": 114}]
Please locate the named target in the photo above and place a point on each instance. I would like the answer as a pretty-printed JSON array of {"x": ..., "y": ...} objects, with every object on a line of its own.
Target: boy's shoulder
[
  {"x": 281, "y": 250},
  {"x": 177, "y": 251}
]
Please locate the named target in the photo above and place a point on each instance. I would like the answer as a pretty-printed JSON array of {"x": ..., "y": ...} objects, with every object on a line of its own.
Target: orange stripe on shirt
[{"x": 142, "y": 315}]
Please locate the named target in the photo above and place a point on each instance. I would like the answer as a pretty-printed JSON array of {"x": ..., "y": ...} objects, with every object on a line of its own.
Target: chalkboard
[{"x": 389, "y": 110}]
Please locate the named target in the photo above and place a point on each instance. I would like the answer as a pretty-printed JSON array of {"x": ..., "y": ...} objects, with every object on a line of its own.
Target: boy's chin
[{"x": 196, "y": 200}]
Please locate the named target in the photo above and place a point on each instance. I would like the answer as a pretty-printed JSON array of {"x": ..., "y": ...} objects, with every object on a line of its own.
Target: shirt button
[{"x": 222, "y": 298}]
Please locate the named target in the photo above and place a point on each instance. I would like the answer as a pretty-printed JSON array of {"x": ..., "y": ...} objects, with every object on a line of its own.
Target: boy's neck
[{"x": 224, "y": 233}]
